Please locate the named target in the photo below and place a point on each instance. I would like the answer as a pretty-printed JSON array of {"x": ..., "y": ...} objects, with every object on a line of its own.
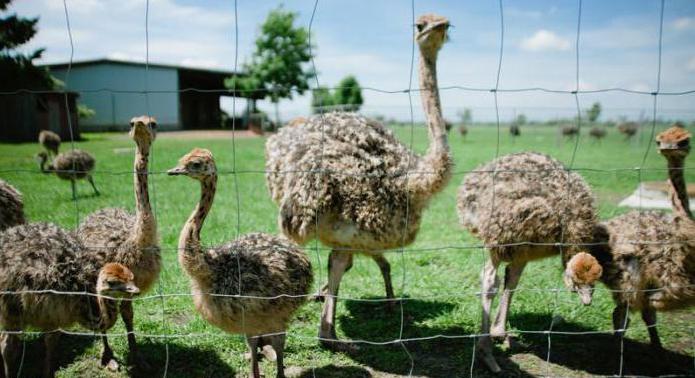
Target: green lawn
[{"x": 437, "y": 276}]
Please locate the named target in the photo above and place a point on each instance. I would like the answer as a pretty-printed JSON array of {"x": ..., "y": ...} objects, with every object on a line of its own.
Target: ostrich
[
  {"x": 463, "y": 130},
  {"x": 114, "y": 235},
  {"x": 514, "y": 130},
  {"x": 72, "y": 165},
  {"x": 570, "y": 131},
  {"x": 11, "y": 206},
  {"x": 521, "y": 211},
  {"x": 271, "y": 270},
  {"x": 50, "y": 141},
  {"x": 41, "y": 256},
  {"x": 597, "y": 133},
  {"x": 648, "y": 257},
  {"x": 373, "y": 189}
]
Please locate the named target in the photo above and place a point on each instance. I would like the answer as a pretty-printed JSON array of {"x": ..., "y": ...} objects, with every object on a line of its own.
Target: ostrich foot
[
  {"x": 267, "y": 351},
  {"x": 109, "y": 362},
  {"x": 484, "y": 354}
]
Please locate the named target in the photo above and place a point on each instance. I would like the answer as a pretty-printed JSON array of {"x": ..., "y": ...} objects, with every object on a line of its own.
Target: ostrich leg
[
  {"x": 489, "y": 282},
  {"x": 649, "y": 317},
  {"x": 50, "y": 340},
  {"x": 10, "y": 349},
  {"x": 74, "y": 191},
  {"x": 252, "y": 342},
  {"x": 512, "y": 275},
  {"x": 278, "y": 343},
  {"x": 91, "y": 181},
  {"x": 107, "y": 359},
  {"x": 385, "y": 268},
  {"x": 338, "y": 261},
  {"x": 127, "y": 314},
  {"x": 620, "y": 319}
]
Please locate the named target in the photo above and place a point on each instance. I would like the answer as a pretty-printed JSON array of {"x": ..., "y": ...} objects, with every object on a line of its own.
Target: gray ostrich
[
  {"x": 114, "y": 235},
  {"x": 41, "y": 256},
  {"x": 648, "y": 257},
  {"x": 272, "y": 271},
  {"x": 372, "y": 190},
  {"x": 11, "y": 206},
  {"x": 72, "y": 165},
  {"x": 50, "y": 141},
  {"x": 521, "y": 205}
]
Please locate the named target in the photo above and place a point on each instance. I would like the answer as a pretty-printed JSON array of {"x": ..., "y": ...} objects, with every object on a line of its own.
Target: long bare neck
[
  {"x": 678, "y": 190},
  {"x": 434, "y": 169},
  {"x": 190, "y": 250},
  {"x": 145, "y": 228},
  {"x": 107, "y": 313}
]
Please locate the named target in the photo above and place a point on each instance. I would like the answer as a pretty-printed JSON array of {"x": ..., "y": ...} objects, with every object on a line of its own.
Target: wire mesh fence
[{"x": 403, "y": 338}]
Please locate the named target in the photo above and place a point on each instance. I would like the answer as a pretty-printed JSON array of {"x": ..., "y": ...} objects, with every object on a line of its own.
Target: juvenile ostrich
[
  {"x": 50, "y": 141},
  {"x": 11, "y": 206},
  {"x": 570, "y": 131},
  {"x": 114, "y": 235},
  {"x": 648, "y": 257},
  {"x": 72, "y": 165},
  {"x": 41, "y": 256},
  {"x": 271, "y": 270},
  {"x": 372, "y": 190},
  {"x": 463, "y": 130},
  {"x": 629, "y": 129},
  {"x": 597, "y": 133},
  {"x": 531, "y": 204},
  {"x": 514, "y": 130}
]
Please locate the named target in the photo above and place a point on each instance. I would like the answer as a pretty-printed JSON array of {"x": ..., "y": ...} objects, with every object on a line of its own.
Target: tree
[
  {"x": 349, "y": 94},
  {"x": 321, "y": 100},
  {"x": 17, "y": 70},
  {"x": 277, "y": 66},
  {"x": 466, "y": 116},
  {"x": 521, "y": 119},
  {"x": 594, "y": 112}
]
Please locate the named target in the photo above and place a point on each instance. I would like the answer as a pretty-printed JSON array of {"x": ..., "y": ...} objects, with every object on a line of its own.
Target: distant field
[{"x": 438, "y": 277}]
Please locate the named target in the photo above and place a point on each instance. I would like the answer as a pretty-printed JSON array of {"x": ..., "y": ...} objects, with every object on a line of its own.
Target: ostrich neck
[
  {"x": 679, "y": 193},
  {"x": 431, "y": 104},
  {"x": 145, "y": 227},
  {"x": 101, "y": 313},
  {"x": 190, "y": 251}
]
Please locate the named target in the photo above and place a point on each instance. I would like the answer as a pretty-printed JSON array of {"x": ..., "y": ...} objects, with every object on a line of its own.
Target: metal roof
[{"x": 91, "y": 62}]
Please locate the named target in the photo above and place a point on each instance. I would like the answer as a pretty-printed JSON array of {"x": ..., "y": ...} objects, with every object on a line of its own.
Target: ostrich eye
[
  {"x": 132, "y": 124},
  {"x": 153, "y": 125},
  {"x": 420, "y": 27},
  {"x": 196, "y": 165},
  {"x": 684, "y": 143}
]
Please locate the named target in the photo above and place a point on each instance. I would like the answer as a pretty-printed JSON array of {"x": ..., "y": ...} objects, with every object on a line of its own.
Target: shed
[
  {"x": 23, "y": 115},
  {"x": 181, "y": 98}
]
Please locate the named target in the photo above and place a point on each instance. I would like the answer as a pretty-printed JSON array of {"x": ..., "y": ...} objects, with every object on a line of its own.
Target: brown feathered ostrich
[
  {"x": 72, "y": 165},
  {"x": 274, "y": 274},
  {"x": 347, "y": 180},
  {"x": 11, "y": 206},
  {"x": 114, "y": 235},
  {"x": 628, "y": 129},
  {"x": 570, "y": 131},
  {"x": 41, "y": 256},
  {"x": 522, "y": 206},
  {"x": 648, "y": 257},
  {"x": 514, "y": 130},
  {"x": 597, "y": 133},
  {"x": 50, "y": 141}
]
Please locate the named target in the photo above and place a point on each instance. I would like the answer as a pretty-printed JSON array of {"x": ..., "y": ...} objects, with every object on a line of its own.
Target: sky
[{"x": 618, "y": 47}]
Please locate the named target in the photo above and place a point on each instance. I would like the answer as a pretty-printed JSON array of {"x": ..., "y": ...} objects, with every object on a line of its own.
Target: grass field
[{"x": 437, "y": 279}]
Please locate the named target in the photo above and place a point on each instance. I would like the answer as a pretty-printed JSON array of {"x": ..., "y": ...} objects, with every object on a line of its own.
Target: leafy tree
[
  {"x": 593, "y": 112},
  {"x": 277, "y": 66},
  {"x": 17, "y": 70},
  {"x": 349, "y": 94},
  {"x": 321, "y": 99},
  {"x": 466, "y": 116},
  {"x": 521, "y": 119}
]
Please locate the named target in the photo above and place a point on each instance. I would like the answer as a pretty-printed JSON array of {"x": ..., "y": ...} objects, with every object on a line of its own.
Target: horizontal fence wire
[{"x": 461, "y": 293}]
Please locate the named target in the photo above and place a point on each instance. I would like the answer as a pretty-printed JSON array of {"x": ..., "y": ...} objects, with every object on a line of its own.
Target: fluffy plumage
[
  {"x": 50, "y": 141},
  {"x": 72, "y": 165},
  {"x": 11, "y": 206}
]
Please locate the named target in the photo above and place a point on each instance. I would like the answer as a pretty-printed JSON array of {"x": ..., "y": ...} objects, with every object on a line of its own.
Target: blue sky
[{"x": 373, "y": 40}]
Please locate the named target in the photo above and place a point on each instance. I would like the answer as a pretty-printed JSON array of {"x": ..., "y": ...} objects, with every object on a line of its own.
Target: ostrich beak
[{"x": 177, "y": 171}]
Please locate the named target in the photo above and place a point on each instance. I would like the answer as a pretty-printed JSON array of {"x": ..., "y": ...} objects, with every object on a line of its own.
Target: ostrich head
[
  {"x": 143, "y": 130},
  {"x": 431, "y": 33},
  {"x": 197, "y": 164},
  {"x": 115, "y": 280},
  {"x": 581, "y": 274},
  {"x": 674, "y": 143}
]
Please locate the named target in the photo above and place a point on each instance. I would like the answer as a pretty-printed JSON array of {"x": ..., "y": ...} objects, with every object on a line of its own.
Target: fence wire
[{"x": 402, "y": 341}]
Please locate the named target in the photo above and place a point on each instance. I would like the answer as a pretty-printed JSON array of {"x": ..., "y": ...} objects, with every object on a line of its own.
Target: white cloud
[
  {"x": 690, "y": 66},
  {"x": 684, "y": 23},
  {"x": 545, "y": 40}
]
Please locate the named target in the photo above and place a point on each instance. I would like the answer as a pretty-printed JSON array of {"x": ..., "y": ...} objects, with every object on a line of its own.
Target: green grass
[{"x": 439, "y": 282}]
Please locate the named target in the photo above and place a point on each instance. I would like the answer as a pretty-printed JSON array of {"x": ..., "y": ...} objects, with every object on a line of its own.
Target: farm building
[
  {"x": 23, "y": 115},
  {"x": 115, "y": 90}
]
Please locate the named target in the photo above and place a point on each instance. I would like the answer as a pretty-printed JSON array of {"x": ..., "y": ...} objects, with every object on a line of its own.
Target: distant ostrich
[
  {"x": 448, "y": 125},
  {"x": 50, "y": 141},
  {"x": 271, "y": 270},
  {"x": 531, "y": 199},
  {"x": 514, "y": 130},
  {"x": 72, "y": 165},
  {"x": 41, "y": 256},
  {"x": 463, "y": 130},
  {"x": 629, "y": 129},
  {"x": 570, "y": 131},
  {"x": 597, "y": 133},
  {"x": 11, "y": 206},
  {"x": 649, "y": 257},
  {"x": 372, "y": 190},
  {"x": 114, "y": 235}
]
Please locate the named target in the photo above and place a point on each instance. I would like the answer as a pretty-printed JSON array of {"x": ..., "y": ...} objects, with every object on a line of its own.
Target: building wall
[{"x": 114, "y": 110}]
